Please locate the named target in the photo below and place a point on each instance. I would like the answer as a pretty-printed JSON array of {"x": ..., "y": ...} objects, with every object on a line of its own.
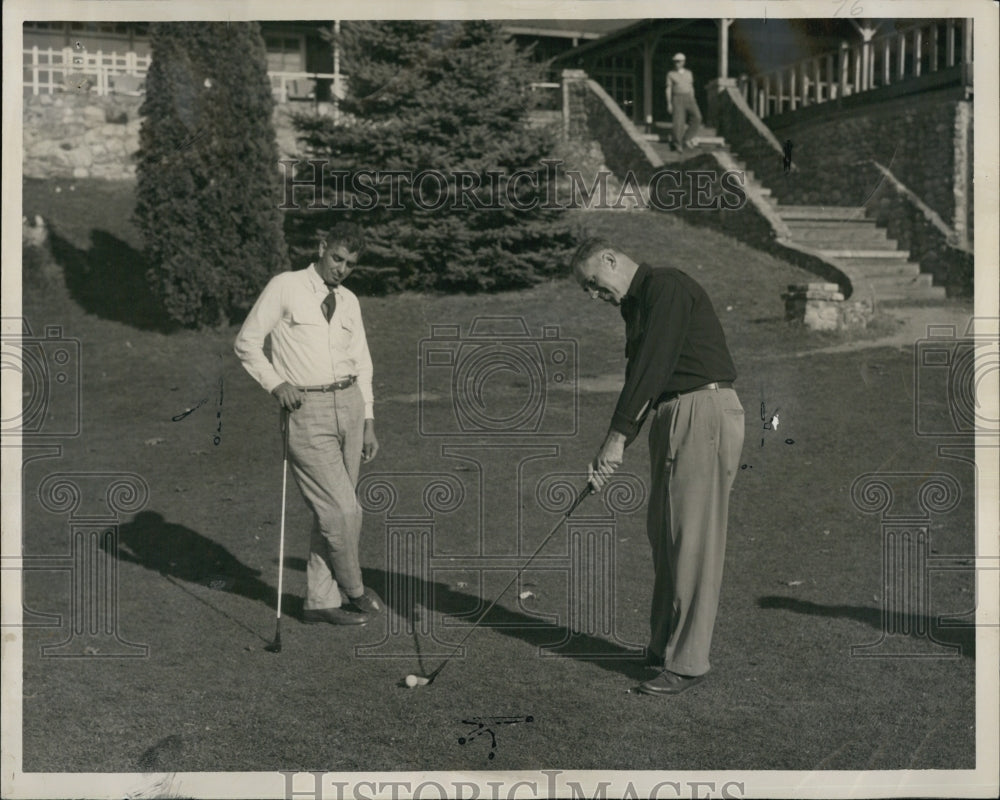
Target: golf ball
[{"x": 411, "y": 680}]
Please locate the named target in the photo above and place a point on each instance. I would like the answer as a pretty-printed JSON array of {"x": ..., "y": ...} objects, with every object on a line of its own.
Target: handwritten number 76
[{"x": 856, "y": 8}]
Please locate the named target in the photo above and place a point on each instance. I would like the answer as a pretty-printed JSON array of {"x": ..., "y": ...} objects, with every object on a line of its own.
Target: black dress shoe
[
  {"x": 671, "y": 683},
  {"x": 335, "y": 616},
  {"x": 367, "y": 603}
]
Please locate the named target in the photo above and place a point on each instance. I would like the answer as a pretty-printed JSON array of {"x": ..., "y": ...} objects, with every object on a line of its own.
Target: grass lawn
[{"x": 197, "y": 567}]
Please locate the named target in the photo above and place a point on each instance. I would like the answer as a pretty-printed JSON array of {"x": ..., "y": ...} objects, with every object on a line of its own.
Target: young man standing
[
  {"x": 320, "y": 373},
  {"x": 681, "y": 104},
  {"x": 680, "y": 374}
]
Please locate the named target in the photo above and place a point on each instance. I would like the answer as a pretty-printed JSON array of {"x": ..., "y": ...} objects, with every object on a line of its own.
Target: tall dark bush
[
  {"x": 208, "y": 183},
  {"x": 442, "y": 96}
]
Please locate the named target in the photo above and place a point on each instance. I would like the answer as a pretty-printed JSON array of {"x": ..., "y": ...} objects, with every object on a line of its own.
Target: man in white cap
[{"x": 681, "y": 104}]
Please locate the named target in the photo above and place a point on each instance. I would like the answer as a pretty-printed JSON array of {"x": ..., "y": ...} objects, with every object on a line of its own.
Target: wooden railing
[
  {"x": 50, "y": 70},
  {"x": 47, "y": 70},
  {"x": 883, "y": 60}
]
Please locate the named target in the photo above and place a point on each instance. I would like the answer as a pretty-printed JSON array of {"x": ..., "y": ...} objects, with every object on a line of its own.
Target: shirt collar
[
  {"x": 316, "y": 281},
  {"x": 641, "y": 273}
]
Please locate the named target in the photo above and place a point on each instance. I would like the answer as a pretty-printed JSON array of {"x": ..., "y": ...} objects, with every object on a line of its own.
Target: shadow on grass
[
  {"x": 184, "y": 556},
  {"x": 558, "y": 640},
  {"x": 181, "y": 554},
  {"x": 962, "y": 636},
  {"x": 109, "y": 281}
]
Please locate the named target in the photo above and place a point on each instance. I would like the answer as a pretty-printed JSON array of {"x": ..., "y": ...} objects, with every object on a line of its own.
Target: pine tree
[
  {"x": 208, "y": 182},
  {"x": 444, "y": 96}
]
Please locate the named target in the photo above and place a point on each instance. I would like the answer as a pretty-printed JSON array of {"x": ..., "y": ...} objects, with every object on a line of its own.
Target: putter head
[{"x": 275, "y": 646}]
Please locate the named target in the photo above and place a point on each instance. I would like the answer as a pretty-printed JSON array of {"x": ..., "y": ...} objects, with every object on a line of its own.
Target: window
[
  {"x": 285, "y": 53},
  {"x": 616, "y": 75}
]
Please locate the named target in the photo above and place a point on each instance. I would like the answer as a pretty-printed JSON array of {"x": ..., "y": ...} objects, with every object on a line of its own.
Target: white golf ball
[{"x": 411, "y": 680}]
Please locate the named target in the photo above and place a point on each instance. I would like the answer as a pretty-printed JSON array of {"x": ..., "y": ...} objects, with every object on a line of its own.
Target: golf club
[
  {"x": 275, "y": 646},
  {"x": 421, "y": 680}
]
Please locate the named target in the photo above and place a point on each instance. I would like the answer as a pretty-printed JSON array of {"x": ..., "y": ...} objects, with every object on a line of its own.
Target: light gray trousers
[
  {"x": 695, "y": 441},
  {"x": 325, "y": 436}
]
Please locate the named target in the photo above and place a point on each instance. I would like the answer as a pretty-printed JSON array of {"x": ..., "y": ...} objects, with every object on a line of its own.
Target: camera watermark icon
[
  {"x": 560, "y": 572},
  {"x": 957, "y": 380},
  {"x": 94, "y": 503},
  {"x": 48, "y": 367},
  {"x": 499, "y": 380},
  {"x": 905, "y": 502}
]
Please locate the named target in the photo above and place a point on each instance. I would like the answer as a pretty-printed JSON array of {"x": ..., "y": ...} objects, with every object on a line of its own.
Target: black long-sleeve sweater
[{"x": 674, "y": 342}]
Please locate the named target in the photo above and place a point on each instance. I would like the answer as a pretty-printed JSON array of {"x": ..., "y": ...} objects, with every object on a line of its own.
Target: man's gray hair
[{"x": 587, "y": 248}]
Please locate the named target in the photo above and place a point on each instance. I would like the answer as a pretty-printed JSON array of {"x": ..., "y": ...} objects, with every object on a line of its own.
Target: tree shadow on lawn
[
  {"x": 962, "y": 636},
  {"x": 109, "y": 281}
]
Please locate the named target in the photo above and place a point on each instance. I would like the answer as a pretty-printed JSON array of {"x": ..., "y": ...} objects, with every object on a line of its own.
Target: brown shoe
[
  {"x": 335, "y": 616},
  {"x": 368, "y": 602},
  {"x": 670, "y": 683}
]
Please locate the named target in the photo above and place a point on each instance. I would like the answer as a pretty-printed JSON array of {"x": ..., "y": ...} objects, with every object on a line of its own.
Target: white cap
[{"x": 679, "y": 57}]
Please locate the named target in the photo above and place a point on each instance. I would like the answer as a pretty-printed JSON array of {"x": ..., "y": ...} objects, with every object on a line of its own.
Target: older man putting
[{"x": 679, "y": 374}]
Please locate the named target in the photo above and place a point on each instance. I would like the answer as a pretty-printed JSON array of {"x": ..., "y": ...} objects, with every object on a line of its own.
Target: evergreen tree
[
  {"x": 444, "y": 96},
  {"x": 208, "y": 182}
]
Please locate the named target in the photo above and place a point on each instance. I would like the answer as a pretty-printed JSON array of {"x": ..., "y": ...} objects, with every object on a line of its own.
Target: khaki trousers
[
  {"x": 325, "y": 436},
  {"x": 686, "y": 118},
  {"x": 695, "y": 442}
]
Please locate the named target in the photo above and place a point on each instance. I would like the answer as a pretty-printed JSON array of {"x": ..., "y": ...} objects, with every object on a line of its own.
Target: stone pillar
[
  {"x": 962, "y": 144},
  {"x": 821, "y": 307},
  {"x": 569, "y": 77}
]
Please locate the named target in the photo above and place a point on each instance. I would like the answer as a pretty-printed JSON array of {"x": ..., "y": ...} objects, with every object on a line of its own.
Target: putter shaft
[{"x": 583, "y": 495}]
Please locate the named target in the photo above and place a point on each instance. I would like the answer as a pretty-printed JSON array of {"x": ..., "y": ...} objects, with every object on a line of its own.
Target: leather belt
[
  {"x": 332, "y": 387},
  {"x": 715, "y": 385}
]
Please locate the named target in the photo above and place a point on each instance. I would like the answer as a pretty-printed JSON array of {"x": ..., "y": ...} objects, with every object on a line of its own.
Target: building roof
[{"x": 565, "y": 28}]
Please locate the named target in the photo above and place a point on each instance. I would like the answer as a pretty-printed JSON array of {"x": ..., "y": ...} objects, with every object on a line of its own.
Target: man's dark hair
[
  {"x": 588, "y": 247},
  {"x": 347, "y": 233}
]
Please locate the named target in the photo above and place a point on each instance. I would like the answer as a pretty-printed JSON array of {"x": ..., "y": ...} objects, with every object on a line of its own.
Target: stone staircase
[
  {"x": 707, "y": 141},
  {"x": 844, "y": 237},
  {"x": 840, "y": 235},
  {"x": 864, "y": 252}
]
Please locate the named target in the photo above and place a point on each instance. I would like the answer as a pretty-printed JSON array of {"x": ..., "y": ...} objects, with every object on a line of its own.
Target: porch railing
[
  {"x": 881, "y": 61},
  {"x": 50, "y": 70}
]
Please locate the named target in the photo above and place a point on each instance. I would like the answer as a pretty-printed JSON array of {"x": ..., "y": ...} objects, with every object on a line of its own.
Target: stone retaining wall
[
  {"x": 593, "y": 115},
  {"x": 83, "y": 135},
  {"x": 921, "y": 138}
]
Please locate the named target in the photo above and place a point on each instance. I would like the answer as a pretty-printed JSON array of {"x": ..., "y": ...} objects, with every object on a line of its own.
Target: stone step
[
  {"x": 821, "y": 212},
  {"x": 829, "y": 224},
  {"x": 836, "y": 242},
  {"x": 911, "y": 293},
  {"x": 850, "y": 256},
  {"x": 878, "y": 269},
  {"x": 701, "y": 142},
  {"x": 845, "y": 233},
  {"x": 891, "y": 282},
  {"x": 861, "y": 244},
  {"x": 667, "y": 129}
]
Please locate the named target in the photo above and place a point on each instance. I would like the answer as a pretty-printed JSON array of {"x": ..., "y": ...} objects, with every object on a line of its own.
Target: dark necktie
[{"x": 329, "y": 305}]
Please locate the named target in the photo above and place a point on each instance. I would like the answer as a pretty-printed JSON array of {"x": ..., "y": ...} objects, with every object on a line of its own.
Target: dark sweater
[{"x": 674, "y": 342}]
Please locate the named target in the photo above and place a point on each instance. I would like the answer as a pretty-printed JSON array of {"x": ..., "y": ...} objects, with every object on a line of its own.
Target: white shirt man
[{"x": 320, "y": 372}]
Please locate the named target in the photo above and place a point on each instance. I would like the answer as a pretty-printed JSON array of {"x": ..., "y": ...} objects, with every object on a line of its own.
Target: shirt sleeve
[
  {"x": 249, "y": 346},
  {"x": 667, "y": 312},
  {"x": 363, "y": 361}
]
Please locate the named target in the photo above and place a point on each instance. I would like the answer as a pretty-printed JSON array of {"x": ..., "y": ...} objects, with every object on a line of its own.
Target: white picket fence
[{"x": 48, "y": 70}]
